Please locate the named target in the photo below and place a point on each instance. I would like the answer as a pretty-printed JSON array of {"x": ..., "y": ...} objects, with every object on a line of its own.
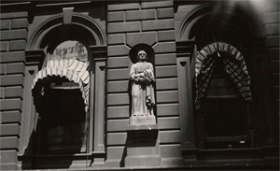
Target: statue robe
[{"x": 142, "y": 91}]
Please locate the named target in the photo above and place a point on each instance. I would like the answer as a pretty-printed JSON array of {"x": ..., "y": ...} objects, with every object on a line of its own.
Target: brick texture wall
[
  {"x": 13, "y": 39},
  {"x": 130, "y": 24}
]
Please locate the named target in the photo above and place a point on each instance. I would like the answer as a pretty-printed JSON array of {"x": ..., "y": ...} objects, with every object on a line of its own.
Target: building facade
[{"x": 66, "y": 93}]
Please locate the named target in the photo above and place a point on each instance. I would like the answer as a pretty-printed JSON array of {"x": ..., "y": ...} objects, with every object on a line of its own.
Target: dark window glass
[
  {"x": 224, "y": 112},
  {"x": 63, "y": 119}
]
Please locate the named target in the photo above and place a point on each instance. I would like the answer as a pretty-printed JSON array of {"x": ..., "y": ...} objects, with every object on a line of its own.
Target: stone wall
[
  {"x": 129, "y": 24},
  {"x": 270, "y": 18},
  {"x": 14, "y": 27}
]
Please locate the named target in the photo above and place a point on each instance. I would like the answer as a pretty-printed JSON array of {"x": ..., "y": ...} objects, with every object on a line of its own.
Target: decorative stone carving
[{"x": 142, "y": 91}]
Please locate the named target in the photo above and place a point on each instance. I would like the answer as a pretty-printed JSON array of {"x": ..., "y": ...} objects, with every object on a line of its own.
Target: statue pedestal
[
  {"x": 142, "y": 146},
  {"x": 142, "y": 120}
]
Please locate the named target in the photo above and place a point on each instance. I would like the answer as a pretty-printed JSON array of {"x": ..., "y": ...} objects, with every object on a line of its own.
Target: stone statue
[{"x": 142, "y": 91}]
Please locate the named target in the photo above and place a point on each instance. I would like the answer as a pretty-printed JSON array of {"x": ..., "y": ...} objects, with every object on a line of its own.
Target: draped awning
[
  {"x": 72, "y": 69},
  {"x": 234, "y": 64}
]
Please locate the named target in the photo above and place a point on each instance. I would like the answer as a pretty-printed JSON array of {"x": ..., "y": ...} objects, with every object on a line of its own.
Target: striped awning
[
  {"x": 234, "y": 65},
  {"x": 72, "y": 69}
]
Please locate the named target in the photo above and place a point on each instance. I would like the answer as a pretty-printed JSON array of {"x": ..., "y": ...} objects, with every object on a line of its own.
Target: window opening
[
  {"x": 222, "y": 86},
  {"x": 61, "y": 95}
]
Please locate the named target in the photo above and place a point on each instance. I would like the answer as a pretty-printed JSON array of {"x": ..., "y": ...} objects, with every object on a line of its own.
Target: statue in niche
[{"x": 142, "y": 90}]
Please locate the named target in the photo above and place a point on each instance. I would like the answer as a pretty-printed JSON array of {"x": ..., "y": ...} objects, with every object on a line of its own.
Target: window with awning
[
  {"x": 61, "y": 96},
  {"x": 222, "y": 86},
  {"x": 233, "y": 63}
]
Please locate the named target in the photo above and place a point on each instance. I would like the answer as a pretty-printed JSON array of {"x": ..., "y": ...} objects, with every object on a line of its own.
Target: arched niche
[{"x": 134, "y": 50}]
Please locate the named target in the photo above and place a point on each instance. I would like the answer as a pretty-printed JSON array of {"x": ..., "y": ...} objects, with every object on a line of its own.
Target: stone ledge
[
  {"x": 143, "y": 161},
  {"x": 142, "y": 134},
  {"x": 145, "y": 121},
  {"x": 141, "y": 127}
]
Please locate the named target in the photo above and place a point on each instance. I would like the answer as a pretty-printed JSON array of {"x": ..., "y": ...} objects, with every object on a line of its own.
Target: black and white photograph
[{"x": 139, "y": 85}]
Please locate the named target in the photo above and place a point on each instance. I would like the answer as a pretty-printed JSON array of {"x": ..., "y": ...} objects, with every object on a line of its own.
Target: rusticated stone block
[
  {"x": 166, "y": 83},
  {"x": 173, "y": 136},
  {"x": 136, "y": 38},
  {"x": 140, "y": 15},
  {"x": 118, "y": 74},
  {"x": 272, "y": 29},
  {"x": 167, "y": 96},
  {"x": 164, "y": 59},
  {"x": 3, "y": 69},
  {"x": 124, "y": 27},
  {"x": 4, "y": 46},
  {"x": 118, "y": 112},
  {"x": 168, "y": 123},
  {"x": 166, "y": 71},
  {"x": 7, "y": 156},
  {"x": 123, "y": 6},
  {"x": 116, "y": 16},
  {"x": 15, "y": 68},
  {"x": 158, "y": 25},
  {"x": 115, "y": 153},
  {"x": 17, "y": 45},
  {"x": 272, "y": 6},
  {"x": 271, "y": 17},
  {"x": 13, "y": 92},
  {"x": 12, "y": 57},
  {"x": 114, "y": 39},
  {"x": 116, "y": 138},
  {"x": 165, "y": 47},
  {"x": 117, "y": 125},
  {"x": 11, "y": 80},
  {"x": 13, "y": 34},
  {"x": 165, "y": 13},
  {"x": 2, "y": 91},
  {"x": 9, "y": 143},
  {"x": 10, "y": 116},
  {"x": 5, "y": 24},
  {"x": 166, "y": 35},
  {"x": 118, "y": 50},
  {"x": 10, "y": 129},
  {"x": 10, "y": 104},
  {"x": 172, "y": 150},
  {"x": 14, "y": 15},
  {"x": 118, "y": 99},
  {"x": 19, "y": 23},
  {"x": 117, "y": 86},
  {"x": 115, "y": 62},
  {"x": 157, "y": 4},
  {"x": 168, "y": 109}
]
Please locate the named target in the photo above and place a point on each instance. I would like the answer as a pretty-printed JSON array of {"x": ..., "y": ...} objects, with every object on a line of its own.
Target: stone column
[
  {"x": 97, "y": 104},
  {"x": 186, "y": 52}
]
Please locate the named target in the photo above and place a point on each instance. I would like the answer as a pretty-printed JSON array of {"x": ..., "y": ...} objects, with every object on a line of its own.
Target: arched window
[
  {"x": 61, "y": 95},
  {"x": 65, "y": 75},
  {"x": 212, "y": 59},
  {"x": 222, "y": 93}
]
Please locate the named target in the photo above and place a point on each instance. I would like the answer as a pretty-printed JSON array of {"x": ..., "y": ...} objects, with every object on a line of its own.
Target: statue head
[{"x": 142, "y": 55}]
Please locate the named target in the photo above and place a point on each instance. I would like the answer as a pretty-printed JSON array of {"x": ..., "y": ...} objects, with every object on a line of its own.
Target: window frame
[{"x": 96, "y": 141}]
